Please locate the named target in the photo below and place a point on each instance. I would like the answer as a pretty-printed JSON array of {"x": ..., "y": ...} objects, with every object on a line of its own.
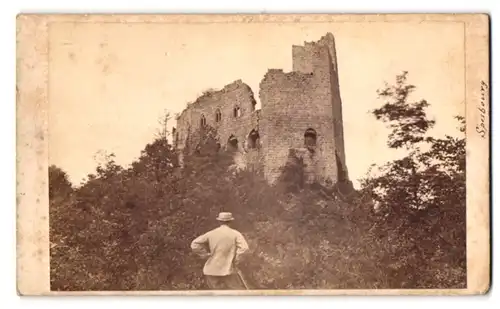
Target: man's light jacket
[{"x": 225, "y": 245}]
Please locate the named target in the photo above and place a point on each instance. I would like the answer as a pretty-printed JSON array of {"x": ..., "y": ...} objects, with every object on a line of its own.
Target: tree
[
  {"x": 407, "y": 119},
  {"x": 59, "y": 184},
  {"x": 163, "y": 121},
  {"x": 422, "y": 195},
  {"x": 408, "y": 181}
]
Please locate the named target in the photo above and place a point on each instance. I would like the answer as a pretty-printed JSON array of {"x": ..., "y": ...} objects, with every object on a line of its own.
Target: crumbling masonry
[{"x": 300, "y": 116}]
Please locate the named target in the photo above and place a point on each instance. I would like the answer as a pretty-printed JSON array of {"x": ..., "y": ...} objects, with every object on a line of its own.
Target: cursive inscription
[{"x": 481, "y": 126}]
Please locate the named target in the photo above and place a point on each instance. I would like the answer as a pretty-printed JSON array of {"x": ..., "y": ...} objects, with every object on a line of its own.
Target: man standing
[{"x": 225, "y": 247}]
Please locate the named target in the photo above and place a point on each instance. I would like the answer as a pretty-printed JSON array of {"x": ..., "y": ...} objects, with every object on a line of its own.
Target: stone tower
[
  {"x": 302, "y": 112},
  {"x": 300, "y": 117}
]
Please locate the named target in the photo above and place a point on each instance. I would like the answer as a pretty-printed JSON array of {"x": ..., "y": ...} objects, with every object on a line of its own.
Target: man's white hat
[{"x": 225, "y": 216}]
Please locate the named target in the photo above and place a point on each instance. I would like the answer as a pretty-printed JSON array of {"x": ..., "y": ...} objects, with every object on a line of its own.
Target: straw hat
[{"x": 225, "y": 216}]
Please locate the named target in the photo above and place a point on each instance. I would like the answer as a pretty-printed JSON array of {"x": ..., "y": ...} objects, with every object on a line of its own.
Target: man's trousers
[{"x": 230, "y": 282}]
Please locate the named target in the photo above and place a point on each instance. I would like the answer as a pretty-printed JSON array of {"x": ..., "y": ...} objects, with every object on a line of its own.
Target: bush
[{"x": 131, "y": 229}]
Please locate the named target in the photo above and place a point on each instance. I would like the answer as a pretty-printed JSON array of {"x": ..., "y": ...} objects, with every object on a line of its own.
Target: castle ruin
[{"x": 300, "y": 117}]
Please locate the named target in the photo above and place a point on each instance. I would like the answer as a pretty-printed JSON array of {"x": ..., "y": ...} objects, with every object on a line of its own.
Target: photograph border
[{"x": 32, "y": 63}]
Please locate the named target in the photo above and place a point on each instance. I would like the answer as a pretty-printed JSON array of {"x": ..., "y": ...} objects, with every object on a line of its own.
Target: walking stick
[{"x": 240, "y": 275}]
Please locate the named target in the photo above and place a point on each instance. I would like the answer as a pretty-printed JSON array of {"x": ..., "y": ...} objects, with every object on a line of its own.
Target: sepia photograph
[{"x": 253, "y": 153}]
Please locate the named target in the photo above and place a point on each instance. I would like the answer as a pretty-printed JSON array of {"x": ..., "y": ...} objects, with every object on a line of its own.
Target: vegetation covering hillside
[{"x": 130, "y": 229}]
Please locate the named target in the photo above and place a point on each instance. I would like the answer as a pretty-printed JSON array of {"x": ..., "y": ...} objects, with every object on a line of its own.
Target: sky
[{"x": 109, "y": 83}]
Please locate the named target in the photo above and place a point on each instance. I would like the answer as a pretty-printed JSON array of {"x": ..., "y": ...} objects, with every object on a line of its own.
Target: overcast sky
[{"x": 109, "y": 83}]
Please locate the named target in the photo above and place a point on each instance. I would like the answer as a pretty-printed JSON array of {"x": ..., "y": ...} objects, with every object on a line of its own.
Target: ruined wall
[
  {"x": 303, "y": 58},
  {"x": 285, "y": 117},
  {"x": 217, "y": 108},
  {"x": 329, "y": 41}
]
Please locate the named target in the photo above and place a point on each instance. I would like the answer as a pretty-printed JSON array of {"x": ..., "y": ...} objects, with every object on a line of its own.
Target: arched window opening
[
  {"x": 236, "y": 112},
  {"x": 253, "y": 139},
  {"x": 310, "y": 138},
  {"x": 232, "y": 143},
  {"x": 218, "y": 115},
  {"x": 175, "y": 135},
  {"x": 203, "y": 121}
]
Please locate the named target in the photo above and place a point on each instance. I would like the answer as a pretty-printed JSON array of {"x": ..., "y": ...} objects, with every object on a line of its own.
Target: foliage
[
  {"x": 130, "y": 229},
  {"x": 163, "y": 133},
  {"x": 59, "y": 184},
  {"x": 421, "y": 197},
  {"x": 407, "y": 120}
]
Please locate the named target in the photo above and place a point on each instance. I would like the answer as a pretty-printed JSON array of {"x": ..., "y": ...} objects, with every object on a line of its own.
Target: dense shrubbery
[{"x": 130, "y": 229}]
